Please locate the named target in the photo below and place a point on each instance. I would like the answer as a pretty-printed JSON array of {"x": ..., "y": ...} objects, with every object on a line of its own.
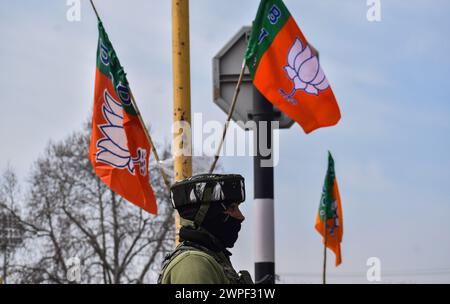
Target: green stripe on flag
[
  {"x": 326, "y": 207},
  {"x": 272, "y": 15},
  {"x": 109, "y": 65}
]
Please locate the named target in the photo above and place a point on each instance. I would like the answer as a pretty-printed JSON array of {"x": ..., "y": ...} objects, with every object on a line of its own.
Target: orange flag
[
  {"x": 119, "y": 149},
  {"x": 286, "y": 70},
  {"x": 330, "y": 210}
]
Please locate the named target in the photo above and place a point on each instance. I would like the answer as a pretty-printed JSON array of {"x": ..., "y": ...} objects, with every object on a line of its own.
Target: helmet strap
[
  {"x": 187, "y": 223},
  {"x": 201, "y": 213},
  {"x": 204, "y": 207}
]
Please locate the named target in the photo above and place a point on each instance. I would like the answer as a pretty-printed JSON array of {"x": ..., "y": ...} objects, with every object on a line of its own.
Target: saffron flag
[
  {"x": 330, "y": 211},
  {"x": 119, "y": 149},
  {"x": 286, "y": 70}
]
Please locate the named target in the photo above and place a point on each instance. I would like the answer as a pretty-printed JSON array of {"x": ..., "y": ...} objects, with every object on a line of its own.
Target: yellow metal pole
[{"x": 182, "y": 140}]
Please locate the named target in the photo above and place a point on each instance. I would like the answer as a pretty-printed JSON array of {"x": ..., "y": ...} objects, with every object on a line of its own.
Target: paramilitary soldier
[{"x": 210, "y": 219}]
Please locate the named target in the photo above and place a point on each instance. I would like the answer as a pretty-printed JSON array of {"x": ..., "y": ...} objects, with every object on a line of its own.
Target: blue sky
[{"x": 391, "y": 79}]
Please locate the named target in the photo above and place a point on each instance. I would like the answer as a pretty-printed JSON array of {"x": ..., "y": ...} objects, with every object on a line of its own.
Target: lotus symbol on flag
[
  {"x": 113, "y": 148},
  {"x": 304, "y": 71}
]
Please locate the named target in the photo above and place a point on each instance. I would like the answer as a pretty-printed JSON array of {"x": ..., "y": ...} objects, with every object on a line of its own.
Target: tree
[
  {"x": 69, "y": 214},
  {"x": 11, "y": 232}
]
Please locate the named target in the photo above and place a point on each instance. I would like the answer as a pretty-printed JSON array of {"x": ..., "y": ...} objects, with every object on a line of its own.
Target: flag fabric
[
  {"x": 119, "y": 149},
  {"x": 286, "y": 70},
  {"x": 330, "y": 210}
]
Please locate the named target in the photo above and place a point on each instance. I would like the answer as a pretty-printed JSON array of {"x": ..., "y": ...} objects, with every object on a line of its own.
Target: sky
[{"x": 391, "y": 80}]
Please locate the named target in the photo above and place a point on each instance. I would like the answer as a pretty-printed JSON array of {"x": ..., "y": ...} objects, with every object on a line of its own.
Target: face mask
[{"x": 226, "y": 228}]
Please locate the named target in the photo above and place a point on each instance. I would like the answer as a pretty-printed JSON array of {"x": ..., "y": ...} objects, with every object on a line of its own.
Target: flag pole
[
  {"x": 230, "y": 114},
  {"x": 147, "y": 134},
  {"x": 95, "y": 10},
  {"x": 149, "y": 138},
  {"x": 325, "y": 237}
]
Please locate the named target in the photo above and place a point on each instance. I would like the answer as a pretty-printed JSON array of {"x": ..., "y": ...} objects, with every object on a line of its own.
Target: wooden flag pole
[
  {"x": 325, "y": 237},
  {"x": 147, "y": 134},
  {"x": 230, "y": 114}
]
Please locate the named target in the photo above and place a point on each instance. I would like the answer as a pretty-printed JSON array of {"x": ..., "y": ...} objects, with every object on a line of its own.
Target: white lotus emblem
[
  {"x": 113, "y": 148},
  {"x": 304, "y": 70}
]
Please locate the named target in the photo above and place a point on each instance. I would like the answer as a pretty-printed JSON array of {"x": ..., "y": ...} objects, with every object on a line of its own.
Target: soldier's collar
[{"x": 204, "y": 238}]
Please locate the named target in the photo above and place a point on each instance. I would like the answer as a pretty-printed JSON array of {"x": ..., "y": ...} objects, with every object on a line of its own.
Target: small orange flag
[
  {"x": 119, "y": 150},
  {"x": 330, "y": 210},
  {"x": 286, "y": 70}
]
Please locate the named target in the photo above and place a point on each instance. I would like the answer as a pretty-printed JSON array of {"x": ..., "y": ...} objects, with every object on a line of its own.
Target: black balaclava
[{"x": 223, "y": 226}]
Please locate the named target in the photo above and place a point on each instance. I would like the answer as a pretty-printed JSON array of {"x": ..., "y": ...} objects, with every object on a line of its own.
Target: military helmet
[{"x": 208, "y": 188}]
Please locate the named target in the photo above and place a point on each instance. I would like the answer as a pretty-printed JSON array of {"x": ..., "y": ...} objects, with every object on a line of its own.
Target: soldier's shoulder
[
  {"x": 194, "y": 266},
  {"x": 193, "y": 258}
]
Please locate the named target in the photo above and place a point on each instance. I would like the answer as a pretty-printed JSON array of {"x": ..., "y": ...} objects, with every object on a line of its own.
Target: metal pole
[
  {"x": 181, "y": 92},
  {"x": 263, "y": 190}
]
